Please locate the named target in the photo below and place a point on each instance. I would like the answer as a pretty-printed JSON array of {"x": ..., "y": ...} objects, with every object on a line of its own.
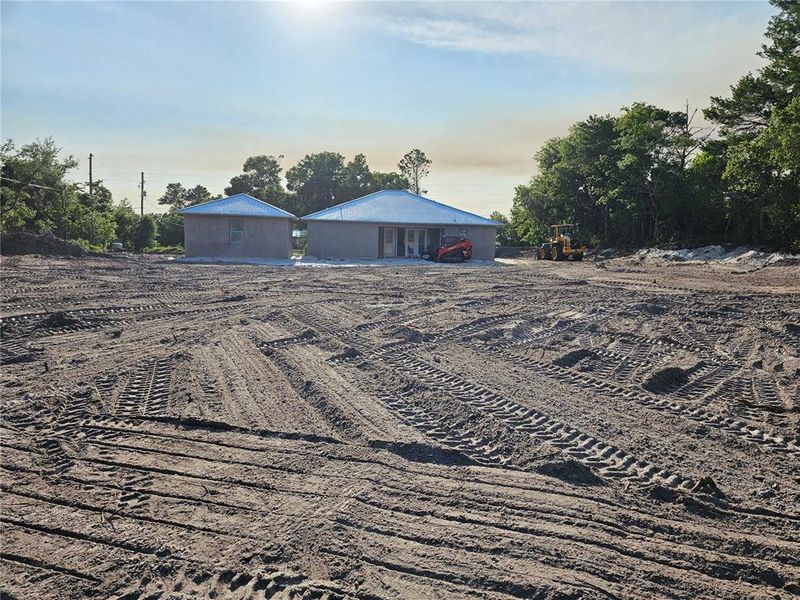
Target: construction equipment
[
  {"x": 562, "y": 244},
  {"x": 453, "y": 248}
]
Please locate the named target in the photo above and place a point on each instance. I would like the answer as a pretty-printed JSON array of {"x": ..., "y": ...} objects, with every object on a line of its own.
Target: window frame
[{"x": 236, "y": 226}]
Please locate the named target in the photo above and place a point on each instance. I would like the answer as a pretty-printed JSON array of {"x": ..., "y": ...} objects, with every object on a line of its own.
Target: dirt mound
[
  {"x": 348, "y": 354},
  {"x": 665, "y": 380},
  {"x": 409, "y": 334},
  {"x": 650, "y": 308},
  {"x": 425, "y": 453},
  {"x": 58, "y": 319},
  {"x": 570, "y": 471},
  {"x": 570, "y": 359},
  {"x": 27, "y": 242}
]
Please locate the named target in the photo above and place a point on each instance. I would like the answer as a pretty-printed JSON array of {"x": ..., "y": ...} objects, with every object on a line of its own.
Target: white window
[{"x": 236, "y": 232}]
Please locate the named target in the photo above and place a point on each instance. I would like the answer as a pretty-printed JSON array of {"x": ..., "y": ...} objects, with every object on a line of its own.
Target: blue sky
[{"x": 186, "y": 91}]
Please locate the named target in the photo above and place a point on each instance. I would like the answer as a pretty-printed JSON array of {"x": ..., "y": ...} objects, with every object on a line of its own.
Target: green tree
[
  {"x": 261, "y": 178},
  {"x": 623, "y": 180},
  {"x": 91, "y": 227},
  {"x": 316, "y": 180},
  {"x": 758, "y": 125},
  {"x": 415, "y": 166},
  {"x": 506, "y": 234},
  {"x": 355, "y": 180},
  {"x": 170, "y": 229},
  {"x": 763, "y": 177},
  {"x": 99, "y": 200},
  {"x": 34, "y": 192},
  {"x": 125, "y": 219},
  {"x": 174, "y": 196},
  {"x": 753, "y": 98},
  {"x": 389, "y": 181},
  {"x": 197, "y": 195},
  {"x": 144, "y": 233}
]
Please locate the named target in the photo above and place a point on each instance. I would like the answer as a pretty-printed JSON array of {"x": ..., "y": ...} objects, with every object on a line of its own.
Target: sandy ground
[{"x": 535, "y": 430}]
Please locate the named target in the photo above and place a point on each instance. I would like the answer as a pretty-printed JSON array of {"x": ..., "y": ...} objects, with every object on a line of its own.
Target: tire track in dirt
[
  {"x": 768, "y": 440},
  {"x": 147, "y": 390},
  {"x": 609, "y": 461}
]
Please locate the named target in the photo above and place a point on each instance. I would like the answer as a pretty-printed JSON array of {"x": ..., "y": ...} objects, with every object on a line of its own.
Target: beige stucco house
[
  {"x": 394, "y": 223},
  {"x": 238, "y": 226}
]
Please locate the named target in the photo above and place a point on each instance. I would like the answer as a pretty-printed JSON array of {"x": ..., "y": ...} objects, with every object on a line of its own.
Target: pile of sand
[{"x": 741, "y": 256}]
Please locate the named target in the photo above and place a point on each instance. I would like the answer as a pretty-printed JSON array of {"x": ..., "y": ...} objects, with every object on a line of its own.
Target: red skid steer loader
[{"x": 452, "y": 249}]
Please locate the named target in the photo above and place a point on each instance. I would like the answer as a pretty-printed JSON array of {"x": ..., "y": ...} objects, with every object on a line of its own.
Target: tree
[
  {"x": 125, "y": 218},
  {"x": 316, "y": 180},
  {"x": 197, "y": 195},
  {"x": 415, "y": 166},
  {"x": 144, "y": 233},
  {"x": 91, "y": 227},
  {"x": 763, "y": 177},
  {"x": 622, "y": 179},
  {"x": 759, "y": 132},
  {"x": 170, "y": 230},
  {"x": 99, "y": 200},
  {"x": 355, "y": 180},
  {"x": 753, "y": 98},
  {"x": 174, "y": 196},
  {"x": 34, "y": 193},
  {"x": 389, "y": 181},
  {"x": 505, "y": 232},
  {"x": 261, "y": 178}
]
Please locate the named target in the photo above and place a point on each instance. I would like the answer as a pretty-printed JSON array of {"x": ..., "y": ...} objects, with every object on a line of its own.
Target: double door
[
  {"x": 405, "y": 242},
  {"x": 416, "y": 242}
]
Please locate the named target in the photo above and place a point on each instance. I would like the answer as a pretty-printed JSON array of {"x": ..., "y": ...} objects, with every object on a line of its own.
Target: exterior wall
[
  {"x": 264, "y": 237},
  {"x": 331, "y": 239},
  {"x": 483, "y": 239}
]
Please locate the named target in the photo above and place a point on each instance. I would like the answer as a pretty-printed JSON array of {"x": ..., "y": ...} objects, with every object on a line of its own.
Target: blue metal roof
[
  {"x": 398, "y": 206},
  {"x": 238, "y": 205}
]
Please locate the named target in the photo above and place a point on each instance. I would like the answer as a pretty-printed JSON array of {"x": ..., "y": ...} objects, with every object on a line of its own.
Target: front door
[
  {"x": 389, "y": 246},
  {"x": 411, "y": 242},
  {"x": 415, "y": 242}
]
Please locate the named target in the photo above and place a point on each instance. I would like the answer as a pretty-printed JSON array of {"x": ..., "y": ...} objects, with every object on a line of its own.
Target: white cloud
[{"x": 639, "y": 38}]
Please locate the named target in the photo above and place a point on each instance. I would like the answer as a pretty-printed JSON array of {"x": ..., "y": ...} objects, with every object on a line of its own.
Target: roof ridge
[
  {"x": 339, "y": 212},
  {"x": 351, "y": 201},
  {"x": 240, "y": 196}
]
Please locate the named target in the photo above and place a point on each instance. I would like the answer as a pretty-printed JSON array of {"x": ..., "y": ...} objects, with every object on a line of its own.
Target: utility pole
[
  {"x": 90, "y": 172},
  {"x": 141, "y": 209}
]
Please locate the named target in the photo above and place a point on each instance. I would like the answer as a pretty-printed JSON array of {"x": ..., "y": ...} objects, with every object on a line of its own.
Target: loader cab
[
  {"x": 566, "y": 234},
  {"x": 563, "y": 243}
]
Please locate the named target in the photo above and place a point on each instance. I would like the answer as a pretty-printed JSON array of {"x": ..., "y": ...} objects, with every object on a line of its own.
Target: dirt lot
[{"x": 533, "y": 431}]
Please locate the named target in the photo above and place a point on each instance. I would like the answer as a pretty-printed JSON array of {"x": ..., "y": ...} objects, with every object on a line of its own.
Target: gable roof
[
  {"x": 238, "y": 205},
  {"x": 398, "y": 206}
]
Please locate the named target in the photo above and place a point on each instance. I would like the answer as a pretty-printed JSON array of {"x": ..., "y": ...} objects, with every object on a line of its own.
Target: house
[
  {"x": 239, "y": 226},
  {"x": 394, "y": 223}
]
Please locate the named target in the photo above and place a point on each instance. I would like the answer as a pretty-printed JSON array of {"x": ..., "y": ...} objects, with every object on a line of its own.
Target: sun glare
[{"x": 312, "y": 7}]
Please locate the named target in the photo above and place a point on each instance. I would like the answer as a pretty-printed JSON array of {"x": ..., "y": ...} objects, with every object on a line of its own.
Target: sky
[{"x": 186, "y": 91}]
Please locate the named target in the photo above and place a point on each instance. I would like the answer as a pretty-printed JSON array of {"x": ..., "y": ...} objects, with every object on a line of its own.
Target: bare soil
[{"x": 543, "y": 430}]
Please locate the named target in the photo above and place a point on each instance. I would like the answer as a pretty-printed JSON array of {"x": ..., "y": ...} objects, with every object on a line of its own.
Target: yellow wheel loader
[{"x": 562, "y": 244}]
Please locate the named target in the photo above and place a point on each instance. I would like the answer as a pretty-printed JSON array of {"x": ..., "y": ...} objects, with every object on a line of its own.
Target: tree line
[
  {"x": 35, "y": 194},
  {"x": 316, "y": 182},
  {"x": 649, "y": 175}
]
